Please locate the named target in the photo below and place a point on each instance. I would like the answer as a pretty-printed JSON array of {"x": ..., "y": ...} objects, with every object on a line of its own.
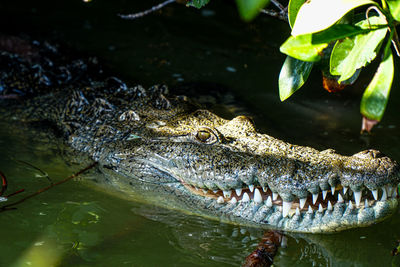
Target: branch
[
  {"x": 3, "y": 183},
  {"x": 279, "y": 5},
  {"x": 12, "y": 194},
  {"x": 36, "y": 168},
  {"x": 266, "y": 250},
  {"x": 146, "y": 12},
  {"x": 280, "y": 15},
  {"x": 7, "y": 207}
]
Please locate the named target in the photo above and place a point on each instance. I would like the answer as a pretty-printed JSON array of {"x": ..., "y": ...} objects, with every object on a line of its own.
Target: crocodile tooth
[
  {"x": 314, "y": 198},
  {"x": 286, "y": 206},
  {"x": 375, "y": 194},
  {"x": 204, "y": 191},
  {"x": 340, "y": 198},
  {"x": 320, "y": 209},
  {"x": 302, "y": 202},
  {"x": 389, "y": 189},
  {"x": 274, "y": 196},
  {"x": 227, "y": 193},
  {"x": 245, "y": 197},
  {"x": 350, "y": 205},
  {"x": 394, "y": 194},
  {"x": 257, "y": 196},
  {"x": 269, "y": 201},
  {"x": 384, "y": 195},
  {"x": 233, "y": 200},
  {"x": 357, "y": 197},
  {"x": 284, "y": 242},
  {"x": 238, "y": 191},
  {"x": 235, "y": 232},
  {"x": 264, "y": 189},
  {"x": 324, "y": 192},
  {"x": 330, "y": 208},
  {"x": 366, "y": 204},
  {"x": 333, "y": 190},
  {"x": 215, "y": 191},
  {"x": 251, "y": 188},
  {"x": 345, "y": 189},
  {"x": 310, "y": 210},
  {"x": 220, "y": 200},
  {"x": 297, "y": 211}
]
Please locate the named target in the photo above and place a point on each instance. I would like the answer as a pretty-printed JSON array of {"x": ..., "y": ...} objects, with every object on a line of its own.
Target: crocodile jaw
[
  {"x": 312, "y": 218},
  {"x": 355, "y": 197}
]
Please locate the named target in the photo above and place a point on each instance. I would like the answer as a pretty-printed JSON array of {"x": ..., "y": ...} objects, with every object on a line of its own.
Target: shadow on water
[{"x": 78, "y": 225}]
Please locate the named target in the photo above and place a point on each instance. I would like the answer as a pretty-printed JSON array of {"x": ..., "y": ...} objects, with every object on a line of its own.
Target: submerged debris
[
  {"x": 4, "y": 185},
  {"x": 11, "y": 205},
  {"x": 266, "y": 250}
]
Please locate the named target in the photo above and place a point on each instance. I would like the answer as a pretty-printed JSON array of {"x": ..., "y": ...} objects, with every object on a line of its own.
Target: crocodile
[{"x": 171, "y": 152}]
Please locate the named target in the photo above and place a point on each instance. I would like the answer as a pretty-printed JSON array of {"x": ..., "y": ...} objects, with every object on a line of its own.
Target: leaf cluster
[
  {"x": 350, "y": 33},
  {"x": 354, "y": 41}
]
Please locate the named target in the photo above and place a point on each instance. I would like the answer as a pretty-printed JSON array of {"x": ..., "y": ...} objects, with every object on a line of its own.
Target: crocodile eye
[
  {"x": 203, "y": 135},
  {"x": 206, "y": 135}
]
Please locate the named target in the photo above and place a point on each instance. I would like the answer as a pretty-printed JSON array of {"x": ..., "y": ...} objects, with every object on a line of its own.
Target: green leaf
[
  {"x": 302, "y": 48},
  {"x": 293, "y": 9},
  {"x": 249, "y": 9},
  {"x": 394, "y": 7},
  {"x": 336, "y": 32},
  {"x": 309, "y": 47},
  {"x": 293, "y": 75},
  {"x": 197, "y": 3},
  {"x": 375, "y": 97},
  {"x": 356, "y": 52},
  {"x": 318, "y": 15}
]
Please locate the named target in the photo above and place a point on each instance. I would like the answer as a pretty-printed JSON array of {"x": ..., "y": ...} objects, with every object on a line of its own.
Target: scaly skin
[{"x": 190, "y": 159}]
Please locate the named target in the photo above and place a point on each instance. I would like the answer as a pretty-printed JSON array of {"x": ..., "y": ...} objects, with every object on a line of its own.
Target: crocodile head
[{"x": 226, "y": 169}]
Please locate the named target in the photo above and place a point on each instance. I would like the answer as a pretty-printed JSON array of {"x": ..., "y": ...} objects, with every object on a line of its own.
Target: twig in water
[
  {"x": 16, "y": 192},
  {"x": 266, "y": 250},
  {"x": 148, "y": 11},
  {"x": 3, "y": 183},
  {"x": 36, "y": 168},
  {"x": 10, "y": 206}
]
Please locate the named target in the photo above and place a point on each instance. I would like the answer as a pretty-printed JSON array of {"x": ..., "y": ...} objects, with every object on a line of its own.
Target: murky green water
[{"x": 77, "y": 224}]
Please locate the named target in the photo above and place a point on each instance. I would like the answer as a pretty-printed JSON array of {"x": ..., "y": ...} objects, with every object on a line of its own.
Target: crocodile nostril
[
  {"x": 375, "y": 154},
  {"x": 370, "y": 154}
]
